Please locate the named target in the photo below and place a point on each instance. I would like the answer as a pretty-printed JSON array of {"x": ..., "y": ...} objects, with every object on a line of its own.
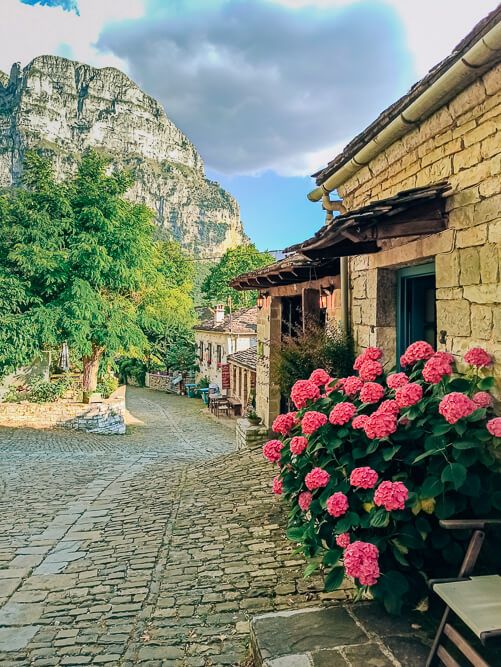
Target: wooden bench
[{"x": 475, "y": 600}]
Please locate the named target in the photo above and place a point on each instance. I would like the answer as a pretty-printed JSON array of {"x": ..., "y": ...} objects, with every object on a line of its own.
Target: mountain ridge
[{"x": 62, "y": 107}]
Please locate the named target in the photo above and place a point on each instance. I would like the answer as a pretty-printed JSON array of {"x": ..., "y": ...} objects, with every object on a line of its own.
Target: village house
[
  {"x": 415, "y": 252},
  {"x": 219, "y": 336},
  {"x": 242, "y": 367}
]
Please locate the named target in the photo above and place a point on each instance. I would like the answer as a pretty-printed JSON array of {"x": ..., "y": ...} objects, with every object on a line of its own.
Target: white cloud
[
  {"x": 30, "y": 31},
  {"x": 432, "y": 27}
]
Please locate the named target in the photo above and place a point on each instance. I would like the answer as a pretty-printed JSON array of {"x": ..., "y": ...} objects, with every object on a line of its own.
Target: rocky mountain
[{"x": 65, "y": 107}]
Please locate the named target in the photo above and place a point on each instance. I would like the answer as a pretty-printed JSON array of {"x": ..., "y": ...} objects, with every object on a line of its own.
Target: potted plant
[{"x": 251, "y": 414}]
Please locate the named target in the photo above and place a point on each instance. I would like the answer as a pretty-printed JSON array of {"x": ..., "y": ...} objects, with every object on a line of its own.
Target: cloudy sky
[{"x": 268, "y": 90}]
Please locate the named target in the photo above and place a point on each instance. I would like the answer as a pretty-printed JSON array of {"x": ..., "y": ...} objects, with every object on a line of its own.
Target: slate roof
[
  {"x": 293, "y": 269},
  {"x": 409, "y": 213},
  {"x": 242, "y": 321},
  {"x": 393, "y": 111},
  {"x": 247, "y": 358}
]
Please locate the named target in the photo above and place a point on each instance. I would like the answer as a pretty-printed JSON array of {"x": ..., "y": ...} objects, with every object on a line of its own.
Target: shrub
[
  {"x": 315, "y": 347},
  {"x": 107, "y": 385},
  {"x": 370, "y": 486},
  {"x": 40, "y": 391}
]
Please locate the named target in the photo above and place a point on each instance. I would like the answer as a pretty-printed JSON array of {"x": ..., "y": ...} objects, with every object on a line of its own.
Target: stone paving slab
[
  {"x": 351, "y": 635},
  {"x": 153, "y": 549}
]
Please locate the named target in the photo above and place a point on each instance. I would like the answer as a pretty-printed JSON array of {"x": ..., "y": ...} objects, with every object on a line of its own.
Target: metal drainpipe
[{"x": 338, "y": 206}]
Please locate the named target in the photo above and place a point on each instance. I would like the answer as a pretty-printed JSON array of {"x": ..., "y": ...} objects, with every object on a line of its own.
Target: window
[
  {"x": 219, "y": 354},
  {"x": 201, "y": 350},
  {"x": 416, "y": 307},
  {"x": 209, "y": 353}
]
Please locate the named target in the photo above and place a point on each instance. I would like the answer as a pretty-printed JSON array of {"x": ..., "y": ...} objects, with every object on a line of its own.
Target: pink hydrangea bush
[{"x": 370, "y": 463}]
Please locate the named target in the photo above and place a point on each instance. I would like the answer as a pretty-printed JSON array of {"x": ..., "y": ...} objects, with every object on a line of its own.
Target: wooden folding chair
[{"x": 475, "y": 600}]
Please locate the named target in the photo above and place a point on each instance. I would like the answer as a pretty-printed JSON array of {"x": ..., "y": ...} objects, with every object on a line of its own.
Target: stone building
[
  {"x": 243, "y": 375},
  {"x": 222, "y": 335},
  {"x": 418, "y": 239}
]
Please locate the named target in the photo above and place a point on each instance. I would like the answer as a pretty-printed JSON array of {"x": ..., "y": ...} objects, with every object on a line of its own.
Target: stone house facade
[
  {"x": 243, "y": 375},
  {"x": 443, "y": 282},
  {"x": 222, "y": 335}
]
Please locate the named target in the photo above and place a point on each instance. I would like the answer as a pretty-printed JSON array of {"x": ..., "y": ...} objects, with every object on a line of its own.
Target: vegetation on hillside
[{"x": 244, "y": 258}]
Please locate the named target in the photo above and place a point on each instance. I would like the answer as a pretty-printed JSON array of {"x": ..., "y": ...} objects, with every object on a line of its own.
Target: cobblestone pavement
[{"x": 152, "y": 548}]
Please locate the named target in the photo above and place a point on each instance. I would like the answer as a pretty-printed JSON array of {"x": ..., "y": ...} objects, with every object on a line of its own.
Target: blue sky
[{"x": 268, "y": 90}]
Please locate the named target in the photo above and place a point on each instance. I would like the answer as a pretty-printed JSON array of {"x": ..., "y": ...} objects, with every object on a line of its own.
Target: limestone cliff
[{"x": 65, "y": 107}]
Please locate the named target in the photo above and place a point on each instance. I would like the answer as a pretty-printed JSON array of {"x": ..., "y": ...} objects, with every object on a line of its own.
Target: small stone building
[
  {"x": 243, "y": 375},
  {"x": 222, "y": 335},
  {"x": 420, "y": 221}
]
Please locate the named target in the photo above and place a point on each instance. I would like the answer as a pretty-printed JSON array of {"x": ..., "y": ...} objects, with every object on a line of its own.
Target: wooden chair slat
[
  {"x": 446, "y": 657},
  {"x": 466, "y": 649}
]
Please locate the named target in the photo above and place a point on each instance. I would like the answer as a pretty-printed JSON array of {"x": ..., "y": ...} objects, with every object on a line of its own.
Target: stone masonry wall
[
  {"x": 268, "y": 335},
  {"x": 107, "y": 418},
  {"x": 461, "y": 142}
]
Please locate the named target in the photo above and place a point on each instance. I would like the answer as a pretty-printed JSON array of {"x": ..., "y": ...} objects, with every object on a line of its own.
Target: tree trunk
[{"x": 90, "y": 370}]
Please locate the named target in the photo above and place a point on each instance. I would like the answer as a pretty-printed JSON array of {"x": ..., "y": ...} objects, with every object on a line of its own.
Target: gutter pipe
[
  {"x": 330, "y": 207},
  {"x": 452, "y": 81}
]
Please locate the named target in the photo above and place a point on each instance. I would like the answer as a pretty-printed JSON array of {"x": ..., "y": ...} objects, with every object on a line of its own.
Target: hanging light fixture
[
  {"x": 261, "y": 299},
  {"x": 324, "y": 299}
]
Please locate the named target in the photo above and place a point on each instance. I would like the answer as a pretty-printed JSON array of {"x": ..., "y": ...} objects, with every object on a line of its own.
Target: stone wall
[
  {"x": 461, "y": 142},
  {"x": 249, "y": 436},
  {"x": 159, "y": 382},
  {"x": 106, "y": 417},
  {"x": 269, "y": 327}
]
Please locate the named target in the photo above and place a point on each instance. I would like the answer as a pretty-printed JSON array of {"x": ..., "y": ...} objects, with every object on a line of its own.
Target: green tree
[
  {"x": 235, "y": 261},
  {"x": 78, "y": 262}
]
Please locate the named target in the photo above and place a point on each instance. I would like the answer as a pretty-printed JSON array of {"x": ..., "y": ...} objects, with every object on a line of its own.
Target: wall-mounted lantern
[
  {"x": 261, "y": 299},
  {"x": 324, "y": 299}
]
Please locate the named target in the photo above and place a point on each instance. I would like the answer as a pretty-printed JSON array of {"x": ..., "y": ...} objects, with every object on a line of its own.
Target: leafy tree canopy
[
  {"x": 235, "y": 261},
  {"x": 78, "y": 262}
]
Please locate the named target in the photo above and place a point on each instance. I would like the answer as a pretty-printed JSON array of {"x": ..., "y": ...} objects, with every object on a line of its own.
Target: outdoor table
[{"x": 236, "y": 406}]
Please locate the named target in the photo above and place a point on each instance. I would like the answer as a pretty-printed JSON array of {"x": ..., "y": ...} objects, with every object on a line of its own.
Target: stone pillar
[{"x": 269, "y": 333}]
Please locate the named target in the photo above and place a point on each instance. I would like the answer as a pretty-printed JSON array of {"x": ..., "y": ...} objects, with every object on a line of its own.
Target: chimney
[{"x": 219, "y": 314}]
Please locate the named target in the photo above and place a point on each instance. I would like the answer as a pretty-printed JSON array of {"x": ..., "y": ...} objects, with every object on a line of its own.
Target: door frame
[{"x": 415, "y": 271}]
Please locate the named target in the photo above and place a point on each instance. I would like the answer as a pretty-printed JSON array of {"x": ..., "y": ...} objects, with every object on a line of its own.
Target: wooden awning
[
  {"x": 291, "y": 270},
  {"x": 409, "y": 213}
]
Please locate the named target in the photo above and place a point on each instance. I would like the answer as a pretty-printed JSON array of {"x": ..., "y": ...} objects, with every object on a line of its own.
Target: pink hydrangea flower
[
  {"x": 419, "y": 351},
  {"x": 483, "y": 399},
  {"x": 352, "y": 385},
  {"x": 380, "y": 425},
  {"x": 320, "y": 377},
  {"x": 304, "y": 500},
  {"x": 343, "y": 540},
  {"x": 304, "y": 391},
  {"x": 391, "y": 496},
  {"x": 359, "y": 421},
  {"x": 455, "y": 406},
  {"x": 370, "y": 370},
  {"x": 494, "y": 427},
  {"x": 277, "y": 486},
  {"x": 361, "y": 562},
  {"x": 298, "y": 444},
  {"x": 316, "y": 479},
  {"x": 390, "y": 406},
  {"x": 396, "y": 380},
  {"x": 445, "y": 356},
  {"x": 436, "y": 368},
  {"x": 364, "y": 477},
  {"x": 370, "y": 354},
  {"x": 271, "y": 450},
  {"x": 312, "y": 421},
  {"x": 409, "y": 394},
  {"x": 284, "y": 423},
  {"x": 342, "y": 413},
  {"x": 371, "y": 392},
  {"x": 477, "y": 356},
  {"x": 338, "y": 386},
  {"x": 337, "y": 504}
]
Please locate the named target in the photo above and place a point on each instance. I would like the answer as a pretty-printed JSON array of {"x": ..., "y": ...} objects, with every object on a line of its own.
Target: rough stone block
[
  {"x": 483, "y": 293},
  {"x": 447, "y": 269},
  {"x": 481, "y": 321},
  {"x": 489, "y": 263},
  {"x": 466, "y": 158},
  {"x": 469, "y": 260},
  {"x": 488, "y": 209},
  {"x": 454, "y": 317},
  {"x": 473, "y": 236}
]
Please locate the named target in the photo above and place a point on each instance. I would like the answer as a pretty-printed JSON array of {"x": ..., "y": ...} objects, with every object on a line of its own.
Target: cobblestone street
[{"x": 152, "y": 548}]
